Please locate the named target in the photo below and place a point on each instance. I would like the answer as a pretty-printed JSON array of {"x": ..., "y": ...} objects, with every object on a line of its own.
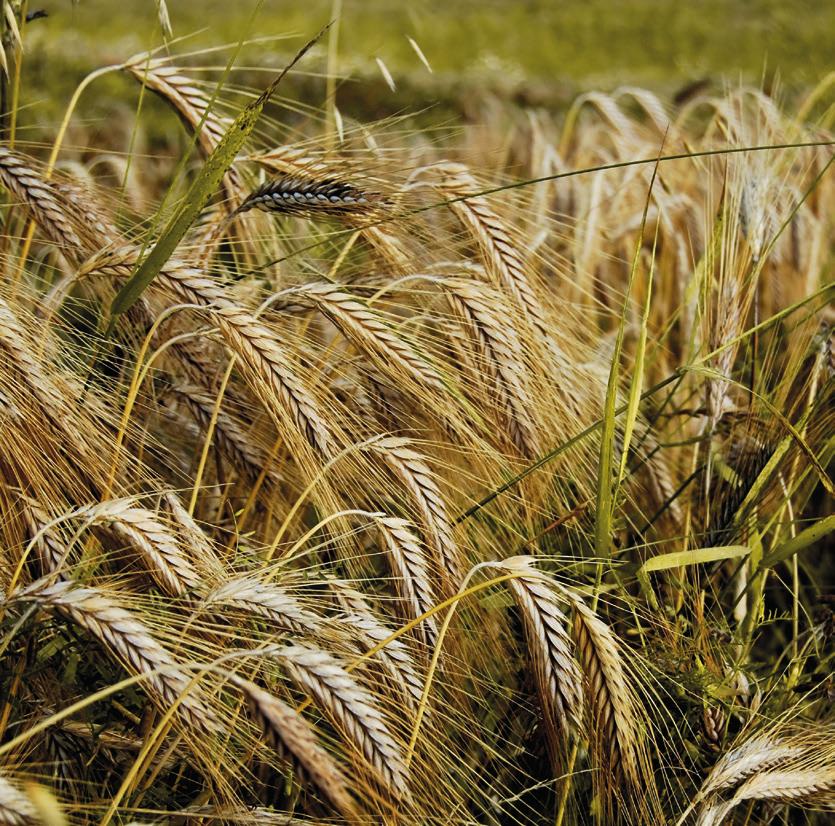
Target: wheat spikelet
[
  {"x": 229, "y": 434},
  {"x": 264, "y": 360},
  {"x": 312, "y": 197},
  {"x": 414, "y": 474},
  {"x": 21, "y": 180},
  {"x": 267, "y": 601},
  {"x": 501, "y": 351},
  {"x": 501, "y": 255},
  {"x": 15, "y": 807},
  {"x": 413, "y": 575},
  {"x": 558, "y": 677},
  {"x": 394, "y": 657},
  {"x": 130, "y": 641},
  {"x": 350, "y": 708},
  {"x": 371, "y": 333},
  {"x": 612, "y": 724},
  {"x": 756, "y": 754},
  {"x": 156, "y": 544},
  {"x": 288, "y": 733}
]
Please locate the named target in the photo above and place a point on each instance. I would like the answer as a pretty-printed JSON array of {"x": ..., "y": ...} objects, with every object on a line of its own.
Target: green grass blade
[
  {"x": 803, "y": 540},
  {"x": 637, "y": 383},
  {"x": 679, "y": 559},
  {"x": 605, "y": 481},
  {"x": 198, "y": 195}
]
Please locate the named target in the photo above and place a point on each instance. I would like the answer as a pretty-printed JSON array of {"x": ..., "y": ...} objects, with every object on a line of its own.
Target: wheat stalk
[
  {"x": 351, "y": 709},
  {"x": 287, "y": 732}
]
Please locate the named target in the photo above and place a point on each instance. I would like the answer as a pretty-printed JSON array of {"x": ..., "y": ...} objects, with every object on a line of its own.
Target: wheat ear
[
  {"x": 266, "y": 601},
  {"x": 414, "y": 474},
  {"x": 370, "y": 333},
  {"x": 756, "y": 754},
  {"x": 289, "y": 734},
  {"x": 612, "y": 723},
  {"x": 412, "y": 572},
  {"x": 230, "y": 436},
  {"x": 501, "y": 255},
  {"x": 394, "y": 656},
  {"x": 351, "y": 708},
  {"x": 495, "y": 337},
  {"x": 131, "y": 642},
  {"x": 312, "y": 197},
  {"x": 40, "y": 197},
  {"x": 551, "y": 649},
  {"x": 15, "y": 807},
  {"x": 157, "y": 545},
  {"x": 264, "y": 360}
]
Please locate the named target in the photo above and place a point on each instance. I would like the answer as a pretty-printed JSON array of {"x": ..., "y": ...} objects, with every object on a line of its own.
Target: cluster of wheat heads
[{"x": 351, "y": 519}]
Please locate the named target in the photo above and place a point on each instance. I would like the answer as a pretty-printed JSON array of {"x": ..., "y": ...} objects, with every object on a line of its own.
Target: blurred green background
[{"x": 537, "y": 52}]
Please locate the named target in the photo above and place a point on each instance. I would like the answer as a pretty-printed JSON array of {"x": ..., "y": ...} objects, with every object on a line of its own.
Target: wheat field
[{"x": 359, "y": 473}]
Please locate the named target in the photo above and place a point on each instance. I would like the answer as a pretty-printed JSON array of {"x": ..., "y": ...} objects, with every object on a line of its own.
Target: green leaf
[
  {"x": 605, "y": 481},
  {"x": 679, "y": 559},
  {"x": 803, "y": 540},
  {"x": 198, "y": 195}
]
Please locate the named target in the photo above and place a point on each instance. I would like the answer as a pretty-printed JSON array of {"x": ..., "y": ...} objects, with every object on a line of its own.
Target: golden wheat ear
[
  {"x": 291, "y": 737},
  {"x": 132, "y": 644}
]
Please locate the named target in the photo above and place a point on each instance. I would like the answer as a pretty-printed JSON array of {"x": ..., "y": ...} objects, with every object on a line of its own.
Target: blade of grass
[
  {"x": 605, "y": 486},
  {"x": 803, "y": 540},
  {"x": 678, "y": 559}
]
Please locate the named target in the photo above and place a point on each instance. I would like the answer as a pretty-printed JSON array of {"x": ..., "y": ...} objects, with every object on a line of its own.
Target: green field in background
[{"x": 632, "y": 40}]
